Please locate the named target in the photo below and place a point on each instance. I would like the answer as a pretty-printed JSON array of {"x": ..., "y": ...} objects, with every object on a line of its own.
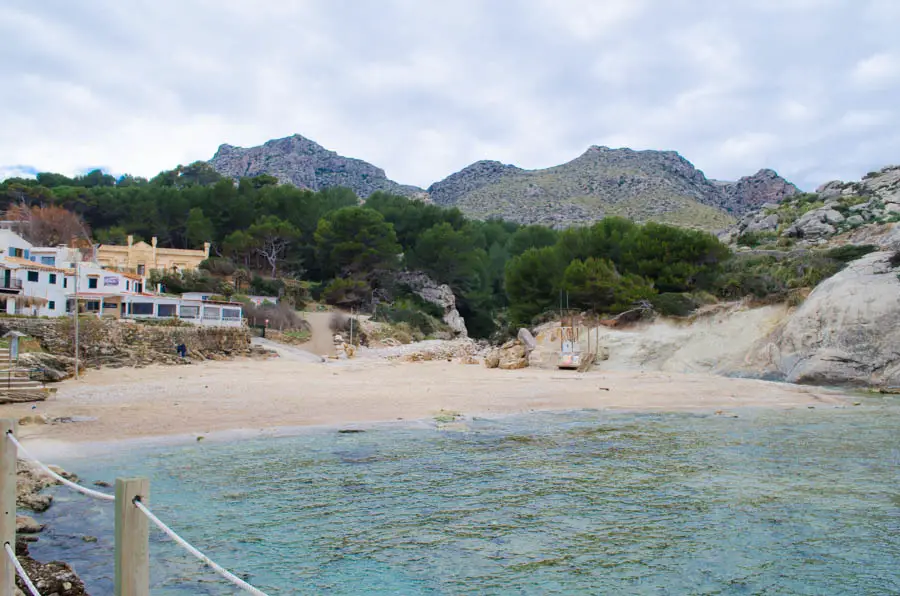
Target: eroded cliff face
[{"x": 847, "y": 332}]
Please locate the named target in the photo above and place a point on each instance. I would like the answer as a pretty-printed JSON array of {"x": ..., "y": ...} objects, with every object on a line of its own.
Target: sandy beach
[{"x": 256, "y": 395}]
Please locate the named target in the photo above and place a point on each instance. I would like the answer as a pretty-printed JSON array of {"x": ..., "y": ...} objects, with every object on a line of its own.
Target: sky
[{"x": 422, "y": 88}]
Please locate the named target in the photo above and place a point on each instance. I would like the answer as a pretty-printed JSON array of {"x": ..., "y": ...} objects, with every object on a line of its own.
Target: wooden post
[
  {"x": 132, "y": 538},
  {"x": 7, "y": 507}
]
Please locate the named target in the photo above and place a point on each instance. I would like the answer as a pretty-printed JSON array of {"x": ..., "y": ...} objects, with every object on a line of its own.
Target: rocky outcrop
[
  {"x": 836, "y": 209},
  {"x": 846, "y": 332},
  {"x": 438, "y": 294},
  {"x": 752, "y": 192},
  {"x": 306, "y": 164},
  {"x": 54, "y": 577}
]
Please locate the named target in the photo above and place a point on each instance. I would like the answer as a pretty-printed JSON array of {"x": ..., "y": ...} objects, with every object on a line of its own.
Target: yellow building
[{"x": 142, "y": 258}]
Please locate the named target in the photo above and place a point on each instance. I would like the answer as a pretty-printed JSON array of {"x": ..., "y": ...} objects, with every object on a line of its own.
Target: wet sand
[{"x": 255, "y": 395}]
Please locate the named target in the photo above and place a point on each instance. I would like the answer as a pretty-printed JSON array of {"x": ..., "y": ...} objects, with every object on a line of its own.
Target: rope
[
  {"x": 206, "y": 560},
  {"x": 76, "y": 487},
  {"x": 21, "y": 571}
]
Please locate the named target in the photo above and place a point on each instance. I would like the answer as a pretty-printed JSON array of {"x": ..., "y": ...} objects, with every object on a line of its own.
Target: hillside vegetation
[{"x": 276, "y": 239}]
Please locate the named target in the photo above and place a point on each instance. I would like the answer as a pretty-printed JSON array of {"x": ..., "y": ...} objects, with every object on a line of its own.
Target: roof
[{"x": 19, "y": 262}]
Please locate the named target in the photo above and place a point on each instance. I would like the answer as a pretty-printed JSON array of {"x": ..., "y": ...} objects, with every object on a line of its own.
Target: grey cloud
[{"x": 424, "y": 88}]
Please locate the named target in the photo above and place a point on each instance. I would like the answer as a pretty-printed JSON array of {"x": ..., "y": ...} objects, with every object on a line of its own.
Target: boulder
[
  {"x": 513, "y": 358},
  {"x": 846, "y": 331},
  {"x": 765, "y": 224},
  {"x": 492, "y": 359},
  {"x": 891, "y": 208},
  {"x": 527, "y": 339},
  {"x": 49, "y": 578},
  {"x": 830, "y": 216},
  {"x": 855, "y": 220}
]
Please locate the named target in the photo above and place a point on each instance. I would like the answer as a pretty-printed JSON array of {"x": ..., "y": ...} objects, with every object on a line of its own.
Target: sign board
[{"x": 111, "y": 280}]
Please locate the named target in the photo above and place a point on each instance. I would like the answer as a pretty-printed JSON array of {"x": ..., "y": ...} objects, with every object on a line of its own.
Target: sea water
[{"x": 803, "y": 501}]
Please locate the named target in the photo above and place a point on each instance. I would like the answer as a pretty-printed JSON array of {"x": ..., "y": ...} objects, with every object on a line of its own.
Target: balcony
[{"x": 10, "y": 286}]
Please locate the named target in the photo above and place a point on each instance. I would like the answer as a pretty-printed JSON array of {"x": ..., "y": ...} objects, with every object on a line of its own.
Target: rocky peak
[
  {"x": 751, "y": 192},
  {"x": 306, "y": 164},
  {"x": 470, "y": 178}
]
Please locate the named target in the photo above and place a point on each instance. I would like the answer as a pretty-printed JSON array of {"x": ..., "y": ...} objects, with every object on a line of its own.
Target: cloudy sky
[{"x": 422, "y": 88}]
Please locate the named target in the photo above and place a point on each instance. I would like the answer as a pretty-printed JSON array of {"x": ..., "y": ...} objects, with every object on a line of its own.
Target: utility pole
[{"x": 75, "y": 310}]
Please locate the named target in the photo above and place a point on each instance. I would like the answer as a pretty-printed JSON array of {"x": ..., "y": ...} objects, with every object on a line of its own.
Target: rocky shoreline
[{"x": 54, "y": 577}]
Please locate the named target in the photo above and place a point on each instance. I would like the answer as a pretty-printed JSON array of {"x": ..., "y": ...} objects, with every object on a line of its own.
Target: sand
[{"x": 256, "y": 395}]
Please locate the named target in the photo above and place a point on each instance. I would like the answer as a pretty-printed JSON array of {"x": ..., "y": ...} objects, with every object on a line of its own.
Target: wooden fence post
[
  {"x": 7, "y": 506},
  {"x": 132, "y": 538}
]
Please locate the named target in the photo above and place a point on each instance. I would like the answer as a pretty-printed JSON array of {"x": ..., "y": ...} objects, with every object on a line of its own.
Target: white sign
[{"x": 110, "y": 281}]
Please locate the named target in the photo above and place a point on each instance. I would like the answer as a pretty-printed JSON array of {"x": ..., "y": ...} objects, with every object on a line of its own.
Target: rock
[
  {"x": 830, "y": 189},
  {"x": 512, "y": 356},
  {"x": 830, "y": 216},
  {"x": 891, "y": 208},
  {"x": 527, "y": 339},
  {"x": 438, "y": 294},
  {"x": 49, "y": 578},
  {"x": 456, "y": 323},
  {"x": 492, "y": 359},
  {"x": 27, "y": 525},
  {"x": 89, "y": 539},
  {"x": 846, "y": 331},
  {"x": 766, "y": 224},
  {"x": 855, "y": 220}
]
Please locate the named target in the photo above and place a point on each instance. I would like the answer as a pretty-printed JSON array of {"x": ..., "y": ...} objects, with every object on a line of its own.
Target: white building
[{"x": 41, "y": 281}]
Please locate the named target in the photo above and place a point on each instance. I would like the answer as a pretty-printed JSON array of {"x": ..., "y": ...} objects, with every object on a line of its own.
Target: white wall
[
  {"x": 9, "y": 239},
  {"x": 54, "y": 292}
]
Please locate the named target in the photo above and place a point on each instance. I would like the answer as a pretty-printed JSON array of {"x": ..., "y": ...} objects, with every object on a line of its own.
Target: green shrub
[
  {"x": 674, "y": 305},
  {"x": 218, "y": 266},
  {"x": 754, "y": 239},
  {"x": 347, "y": 292},
  {"x": 408, "y": 313},
  {"x": 850, "y": 252},
  {"x": 768, "y": 276}
]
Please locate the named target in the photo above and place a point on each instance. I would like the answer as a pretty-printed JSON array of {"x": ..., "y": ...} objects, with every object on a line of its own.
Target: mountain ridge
[{"x": 645, "y": 185}]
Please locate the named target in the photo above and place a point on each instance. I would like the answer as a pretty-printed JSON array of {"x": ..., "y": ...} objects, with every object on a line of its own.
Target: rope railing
[
  {"x": 188, "y": 547},
  {"x": 232, "y": 578},
  {"x": 21, "y": 570},
  {"x": 76, "y": 487}
]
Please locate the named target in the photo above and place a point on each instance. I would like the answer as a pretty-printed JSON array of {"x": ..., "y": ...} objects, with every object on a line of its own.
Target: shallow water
[{"x": 771, "y": 502}]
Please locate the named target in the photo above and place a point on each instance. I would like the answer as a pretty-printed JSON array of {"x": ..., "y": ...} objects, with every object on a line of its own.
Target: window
[
  {"x": 33, "y": 276},
  {"x": 211, "y": 313},
  {"x": 48, "y": 260},
  {"x": 190, "y": 312},
  {"x": 140, "y": 269},
  {"x": 142, "y": 308},
  {"x": 138, "y": 287},
  {"x": 51, "y": 305},
  {"x": 92, "y": 305},
  {"x": 65, "y": 282},
  {"x": 16, "y": 252},
  {"x": 231, "y": 314},
  {"x": 127, "y": 285},
  {"x": 53, "y": 278},
  {"x": 166, "y": 310},
  {"x": 92, "y": 283}
]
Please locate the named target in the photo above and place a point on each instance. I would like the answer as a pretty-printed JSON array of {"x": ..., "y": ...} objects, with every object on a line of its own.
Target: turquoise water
[{"x": 771, "y": 502}]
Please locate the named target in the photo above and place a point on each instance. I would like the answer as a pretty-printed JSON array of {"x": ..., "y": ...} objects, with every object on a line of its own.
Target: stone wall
[{"x": 130, "y": 343}]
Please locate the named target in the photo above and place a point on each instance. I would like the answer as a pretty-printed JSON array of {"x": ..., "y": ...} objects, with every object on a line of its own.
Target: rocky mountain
[
  {"x": 306, "y": 164},
  {"x": 641, "y": 185},
  {"x": 814, "y": 218}
]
